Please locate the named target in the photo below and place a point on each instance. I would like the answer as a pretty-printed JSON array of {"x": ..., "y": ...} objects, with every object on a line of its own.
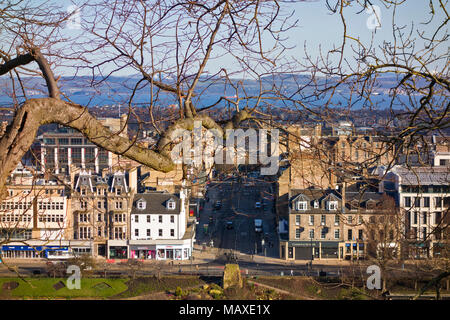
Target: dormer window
[
  {"x": 316, "y": 204},
  {"x": 141, "y": 205},
  {"x": 332, "y": 205},
  {"x": 118, "y": 191},
  {"x": 301, "y": 205},
  {"x": 171, "y": 205}
]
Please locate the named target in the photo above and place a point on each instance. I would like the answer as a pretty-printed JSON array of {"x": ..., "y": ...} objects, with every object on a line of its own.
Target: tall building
[{"x": 66, "y": 146}]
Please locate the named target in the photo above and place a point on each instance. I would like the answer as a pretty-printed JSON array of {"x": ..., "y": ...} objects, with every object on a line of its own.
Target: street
[{"x": 232, "y": 227}]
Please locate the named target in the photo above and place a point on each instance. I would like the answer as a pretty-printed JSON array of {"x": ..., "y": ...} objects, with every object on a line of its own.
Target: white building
[
  {"x": 34, "y": 213},
  {"x": 159, "y": 227},
  {"x": 423, "y": 195}
]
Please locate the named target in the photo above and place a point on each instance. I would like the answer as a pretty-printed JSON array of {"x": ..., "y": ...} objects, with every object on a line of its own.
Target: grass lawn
[
  {"x": 43, "y": 288},
  {"x": 147, "y": 285}
]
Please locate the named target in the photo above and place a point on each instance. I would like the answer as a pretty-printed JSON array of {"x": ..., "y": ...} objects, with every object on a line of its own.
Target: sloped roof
[{"x": 156, "y": 203}]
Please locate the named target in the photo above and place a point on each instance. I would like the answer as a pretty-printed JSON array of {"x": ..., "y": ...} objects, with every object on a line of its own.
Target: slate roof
[
  {"x": 424, "y": 176},
  {"x": 156, "y": 203}
]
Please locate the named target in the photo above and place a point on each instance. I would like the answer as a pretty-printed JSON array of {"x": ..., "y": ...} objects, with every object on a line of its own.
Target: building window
[
  {"x": 160, "y": 219},
  {"x": 336, "y": 220},
  {"x": 141, "y": 205},
  {"x": 350, "y": 219},
  {"x": 332, "y": 205},
  {"x": 417, "y": 202},
  {"x": 323, "y": 233},
  {"x": 160, "y": 231},
  {"x": 415, "y": 218},
  {"x": 437, "y": 217},
  {"x": 297, "y": 233},
  {"x": 136, "y": 218},
  {"x": 99, "y": 217},
  {"x": 297, "y": 220},
  {"x": 360, "y": 220},
  {"x": 148, "y": 218},
  {"x": 171, "y": 205},
  {"x": 424, "y": 217},
  {"x": 148, "y": 232},
  {"x": 426, "y": 202},
  {"x": 407, "y": 202},
  {"x": 172, "y": 219},
  {"x": 360, "y": 234},
  {"x": 172, "y": 232},
  {"x": 337, "y": 234},
  {"x": 323, "y": 220},
  {"x": 311, "y": 220},
  {"x": 438, "y": 202},
  {"x": 301, "y": 205},
  {"x": 311, "y": 234},
  {"x": 136, "y": 232},
  {"x": 316, "y": 204},
  {"x": 349, "y": 234}
]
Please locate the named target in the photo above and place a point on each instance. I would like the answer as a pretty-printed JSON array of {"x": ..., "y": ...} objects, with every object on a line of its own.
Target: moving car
[
  {"x": 258, "y": 205},
  {"x": 258, "y": 225}
]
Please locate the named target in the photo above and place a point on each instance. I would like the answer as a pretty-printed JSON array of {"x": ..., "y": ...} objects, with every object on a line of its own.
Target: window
[
  {"x": 337, "y": 234},
  {"x": 160, "y": 218},
  {"x": 408, "y": 202},
  {"x": 316, "y": 204},
  {"x": 360, "y": 234},
  {"x": 424, "y": 233},
  {"x": 136, "y": 232},
  {"x": 424, "y": 217},
  {"x": 323, "y": 233},
  {"x": 297, "y": 220},
  {"x": 148, "y": 232},
  {"x": 350, "y": 219},
  {"x": 118, "y": 191},
  {"x": 417, "y": 202},
  {"x": 171, "y": 205},
  {"x": 438, "y": 202},
  {"x": 349, "y": 234},
  {"x": 99, "y": 217},
  {"x": 141, "y": 205},
  {"x": 360, "y": 220},
  {"x": 426, "y": 202},
  {"x": 311, "y": 234},
  {"x": 336, "y": 220},
  {"x": 148, "y": 218},
  {"x": 136, "y": 218},
  {"x": 323, "y": 220},
  {"x": 311, "y": 220},
  {"x": 415, "y": 218},
  {"x": 332, "y": 205},
  {"x": 301, "y": 205},
  {"x": 297, "y": 233},
  {"x": 160, "y": 232},
  {"x": 172, "y": 232},
  {"x": 99, "y": 204},
  {"x": 172, "y": 219},
  {"x": 437, "y": 217}
]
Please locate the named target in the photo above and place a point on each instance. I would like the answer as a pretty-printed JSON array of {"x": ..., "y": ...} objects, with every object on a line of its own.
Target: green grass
[
  {"x": 43, "y": 288},
  {"x": 147, "y": 285}
]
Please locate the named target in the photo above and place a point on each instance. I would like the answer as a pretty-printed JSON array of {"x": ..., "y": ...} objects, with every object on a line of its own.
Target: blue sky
[{"x": 318, "y": 28}]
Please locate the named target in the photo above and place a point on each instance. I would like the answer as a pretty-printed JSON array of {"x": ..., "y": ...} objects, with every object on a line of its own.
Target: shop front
[
  {"x": 172, "y": 252},
  {"x": 143, "y": 252},
  {"x": 118, "y": 252},
  {"x": 35, "y": 252}
]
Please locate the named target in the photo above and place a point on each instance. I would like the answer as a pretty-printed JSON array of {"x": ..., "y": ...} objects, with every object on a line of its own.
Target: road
[{"x": 238, "y": 207}]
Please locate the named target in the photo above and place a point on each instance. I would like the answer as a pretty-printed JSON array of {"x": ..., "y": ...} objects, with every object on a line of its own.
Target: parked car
[
  {"x": 258, "y": 205},
  {"x": 218, "y": 205},
  {"x": 229, "y": 225}
]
